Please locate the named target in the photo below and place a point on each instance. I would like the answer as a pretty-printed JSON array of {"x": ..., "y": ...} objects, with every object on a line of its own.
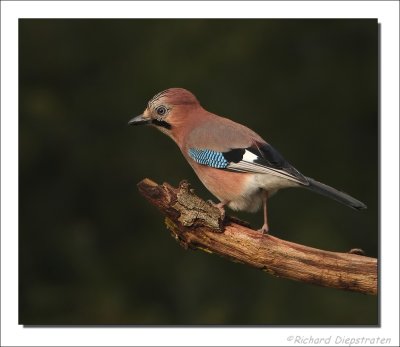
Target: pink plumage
[{"x": 233, "y": 162}]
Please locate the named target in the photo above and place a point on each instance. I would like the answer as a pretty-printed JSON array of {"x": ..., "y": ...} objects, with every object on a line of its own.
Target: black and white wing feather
[{"x": 263, "y": 159}]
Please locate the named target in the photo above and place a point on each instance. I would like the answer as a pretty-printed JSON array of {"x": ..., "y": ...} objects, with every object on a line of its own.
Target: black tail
[{"x": 335, "y": 194}]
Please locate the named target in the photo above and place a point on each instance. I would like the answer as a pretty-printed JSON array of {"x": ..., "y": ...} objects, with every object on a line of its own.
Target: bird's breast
[{"x": 234, "y": 188}]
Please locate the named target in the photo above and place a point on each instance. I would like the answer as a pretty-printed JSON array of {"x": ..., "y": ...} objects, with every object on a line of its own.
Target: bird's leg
[{"x": 264, "y": 229}]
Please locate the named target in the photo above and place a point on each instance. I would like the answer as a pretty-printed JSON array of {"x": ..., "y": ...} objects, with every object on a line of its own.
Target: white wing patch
[{"x": 249, "y": 157}]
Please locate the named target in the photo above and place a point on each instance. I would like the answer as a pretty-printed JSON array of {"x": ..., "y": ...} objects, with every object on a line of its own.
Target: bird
[{"x": 233, "y": 162}]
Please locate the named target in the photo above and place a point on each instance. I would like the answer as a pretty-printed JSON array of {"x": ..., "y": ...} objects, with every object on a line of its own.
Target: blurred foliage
[{"x": 93, "y": 251}]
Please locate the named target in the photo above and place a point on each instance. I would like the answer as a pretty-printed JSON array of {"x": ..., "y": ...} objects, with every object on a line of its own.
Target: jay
[{"x": 233, "y": 162}]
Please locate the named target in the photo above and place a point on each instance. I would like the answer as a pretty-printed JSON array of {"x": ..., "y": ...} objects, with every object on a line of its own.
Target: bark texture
[{"x": 197, "y": 224}]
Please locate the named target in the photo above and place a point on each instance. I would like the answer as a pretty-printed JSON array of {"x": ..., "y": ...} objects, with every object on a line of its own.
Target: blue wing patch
[{"x": 208, "y": 157}]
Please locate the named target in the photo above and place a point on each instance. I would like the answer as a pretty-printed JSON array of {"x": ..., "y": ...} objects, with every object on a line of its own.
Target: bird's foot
[
  {"x": 264, "y": 229},
  {"x": 220, "y": 207}
]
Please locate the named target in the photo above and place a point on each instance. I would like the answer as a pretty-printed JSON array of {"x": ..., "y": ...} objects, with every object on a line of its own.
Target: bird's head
[{"x": 168, "y": 111}]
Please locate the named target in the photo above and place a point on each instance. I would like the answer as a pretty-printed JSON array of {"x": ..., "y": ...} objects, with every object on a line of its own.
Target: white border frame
[{"x": 387, "y": 13}]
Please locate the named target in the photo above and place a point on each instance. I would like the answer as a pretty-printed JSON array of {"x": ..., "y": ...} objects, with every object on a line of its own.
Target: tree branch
[{"x": 197, "y": 224}]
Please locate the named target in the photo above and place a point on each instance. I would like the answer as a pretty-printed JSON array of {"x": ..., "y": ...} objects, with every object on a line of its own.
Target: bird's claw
[
  {"x": 219, "y": 206},
  {"x": 264, "y": 229}
]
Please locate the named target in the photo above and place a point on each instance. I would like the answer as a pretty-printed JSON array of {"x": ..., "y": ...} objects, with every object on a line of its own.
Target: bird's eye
[{"x": 161, "y": 110}]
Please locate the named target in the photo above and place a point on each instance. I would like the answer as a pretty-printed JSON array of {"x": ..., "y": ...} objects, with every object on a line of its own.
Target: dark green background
[{"x": 93, "y": 251}]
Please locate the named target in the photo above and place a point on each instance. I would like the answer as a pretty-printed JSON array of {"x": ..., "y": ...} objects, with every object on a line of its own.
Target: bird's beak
[{"x": 138, "y": 120}]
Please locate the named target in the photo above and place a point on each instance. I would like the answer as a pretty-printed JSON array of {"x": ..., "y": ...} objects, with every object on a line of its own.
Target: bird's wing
[{"x": 259, "y": 158}]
